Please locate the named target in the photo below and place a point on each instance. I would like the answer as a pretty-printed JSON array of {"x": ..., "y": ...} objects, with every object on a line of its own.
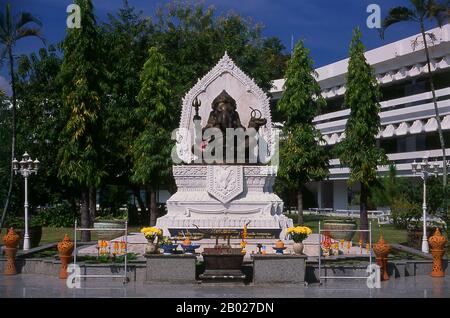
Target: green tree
[
  {"x": 5, "y": 134},
  {"x": 193, "y": 38},
  {"x": 127, "y": 31},
  {"x": 82, "y": 73},
  {"x": 152, "y": 149},
  {"x": 386, "y": 189},
  {"x": 13, "y": 29},
  {"x": 302, "y": 159},
  {"x": 40, "y": 122},
  {"x": 420, "y": 12},
  {"x": 391, "y": 187},
  {"x": 359, "y": 150},
  {"x": 83, "y": 118}
]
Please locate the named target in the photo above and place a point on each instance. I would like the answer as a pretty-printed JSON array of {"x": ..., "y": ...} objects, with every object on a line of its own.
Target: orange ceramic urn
[
  {"x": 437, "y": 243},
  {"x": 279, "y": 244},
  {"x": 382, "y": 250},
  {"x": 11, "y": 239},
  {"x": 187, "y": 241},
  {"x": 65, "y": 249}
]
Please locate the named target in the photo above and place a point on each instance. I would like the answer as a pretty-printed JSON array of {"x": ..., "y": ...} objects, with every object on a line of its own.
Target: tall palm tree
[
  {"x": 13, "y": 29},
  {"x": 422, "y": 11}
]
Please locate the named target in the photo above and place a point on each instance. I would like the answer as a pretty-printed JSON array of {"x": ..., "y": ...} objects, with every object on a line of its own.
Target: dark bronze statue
[
  {"x": 224, "y": 115},
  {"x": 256, "y": 122}
]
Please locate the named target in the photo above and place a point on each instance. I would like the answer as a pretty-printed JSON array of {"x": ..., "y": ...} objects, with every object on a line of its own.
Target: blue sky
[{"x": 325, "y": 25}]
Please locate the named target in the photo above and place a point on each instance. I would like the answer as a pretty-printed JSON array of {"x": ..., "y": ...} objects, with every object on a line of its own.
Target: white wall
[{"x": 340, "y": 195}]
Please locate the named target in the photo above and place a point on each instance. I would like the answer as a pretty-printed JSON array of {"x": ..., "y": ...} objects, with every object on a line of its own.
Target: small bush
[
  {"x": 59, "y": 215},
  {"x": 18, "y": 222},
  {"x": 110, "y": 214},
  {"x": 405, "y": 213}
]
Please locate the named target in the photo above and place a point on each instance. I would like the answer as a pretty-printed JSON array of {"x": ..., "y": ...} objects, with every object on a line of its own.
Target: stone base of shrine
[{"x": 225, "y": 197}]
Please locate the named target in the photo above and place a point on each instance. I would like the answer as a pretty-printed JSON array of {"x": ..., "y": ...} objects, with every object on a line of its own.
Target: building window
[{"x": 422, "y": 142}]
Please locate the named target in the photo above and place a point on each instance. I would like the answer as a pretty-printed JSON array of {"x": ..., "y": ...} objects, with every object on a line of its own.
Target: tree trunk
[
  {"x": 153, "y": 207},
  {"x": 148, "y": 202},
  {"x": 438, "y": 119},
  {"x": 92, "y": 204},
  {"x": 300, "y": 206},
  {"x": 85, "y": 217},
  {"x": 141, "y": 204},
  {"x": 363, "y": 221},
  {"x": 13, "y": 137}
]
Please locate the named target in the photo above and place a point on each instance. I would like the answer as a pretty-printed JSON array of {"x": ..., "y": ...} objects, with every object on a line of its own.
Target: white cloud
[{"x": 4, "y": 85}]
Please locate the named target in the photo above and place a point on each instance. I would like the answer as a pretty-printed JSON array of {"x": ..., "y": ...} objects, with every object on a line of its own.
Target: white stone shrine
[{"x": 221, "y": 196}]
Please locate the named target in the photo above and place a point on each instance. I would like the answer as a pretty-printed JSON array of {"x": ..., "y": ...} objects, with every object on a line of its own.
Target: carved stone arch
[{"x": 226, "y": 72}]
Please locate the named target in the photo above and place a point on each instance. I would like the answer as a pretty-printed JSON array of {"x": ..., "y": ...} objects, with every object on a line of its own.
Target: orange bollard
[
  {"x": 65, "y": 249},
  {"x": 382, "y": 250},
  {"x": 11, "y": 239},
  {"x": 437, "y": 243}
]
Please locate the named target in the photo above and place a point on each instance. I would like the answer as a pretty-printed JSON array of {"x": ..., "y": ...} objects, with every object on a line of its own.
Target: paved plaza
[{"x": 33, "y": 286}]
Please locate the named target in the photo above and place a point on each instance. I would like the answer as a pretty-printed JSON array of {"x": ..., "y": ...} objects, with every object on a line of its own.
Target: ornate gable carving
[{"x": 225, "y": 65}]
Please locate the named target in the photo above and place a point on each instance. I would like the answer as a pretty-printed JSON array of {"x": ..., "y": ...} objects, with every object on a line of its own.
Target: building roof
[{"x": 392, "y": 62}]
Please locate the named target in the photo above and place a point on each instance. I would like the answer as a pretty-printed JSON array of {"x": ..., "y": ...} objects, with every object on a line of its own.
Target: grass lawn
[{"x": 56, "y": 234}]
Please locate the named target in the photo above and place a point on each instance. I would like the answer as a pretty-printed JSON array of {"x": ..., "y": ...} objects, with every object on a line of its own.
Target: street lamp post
[
  {"x": 424, "y": 169},
  {"x": 26, "y": 167}
]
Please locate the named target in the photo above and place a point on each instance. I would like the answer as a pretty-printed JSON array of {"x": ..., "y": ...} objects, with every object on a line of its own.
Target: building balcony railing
[
  {"x": 402, "y": 162},
  {"x": 398, "y": 103},
  {"x": 398, "y": 119}
]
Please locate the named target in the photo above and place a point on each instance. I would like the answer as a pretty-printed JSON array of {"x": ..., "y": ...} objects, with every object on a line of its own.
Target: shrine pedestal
[{"x": 203, "y": 202}]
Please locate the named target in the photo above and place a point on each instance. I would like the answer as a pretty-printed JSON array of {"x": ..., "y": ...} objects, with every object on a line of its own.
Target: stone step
[{"x": 222, "y": 276}]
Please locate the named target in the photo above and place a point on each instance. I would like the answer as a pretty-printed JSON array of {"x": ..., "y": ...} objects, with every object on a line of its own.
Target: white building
[{"x": 409, "y": 129}]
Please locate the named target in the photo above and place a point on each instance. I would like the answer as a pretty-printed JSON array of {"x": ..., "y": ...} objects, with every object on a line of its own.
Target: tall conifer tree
[
  {"x": 359, "y": 149},
  {"x": 302, "y": 159},
  {"x": 81, "y": 76},
  {"x": 152, "y": 149}
]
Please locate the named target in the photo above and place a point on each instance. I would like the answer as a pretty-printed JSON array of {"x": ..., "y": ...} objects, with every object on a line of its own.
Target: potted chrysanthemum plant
[
  {"x": 298, "y": 234},
  {"x": 153, "y": 236}
]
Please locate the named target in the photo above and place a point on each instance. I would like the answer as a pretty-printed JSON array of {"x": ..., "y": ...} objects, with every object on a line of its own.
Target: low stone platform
[
  {"x": 137, "y": 269},
  {"x": 273, "y": 269},
  {"x": 177, "y": 268}
]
